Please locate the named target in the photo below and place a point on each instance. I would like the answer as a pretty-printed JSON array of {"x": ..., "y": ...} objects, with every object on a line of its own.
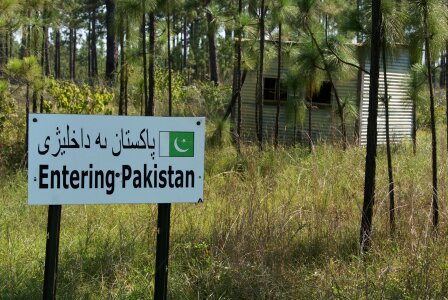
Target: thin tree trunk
[
  {"x": 173, "y": 42},
  {"x": 121, "y": 102},
  {"x": 3, "y": 52},
  {"x": 260, "y": 94},
  {"x": 93, "y": 46},
  {"x": 370, "y": 167},
  {"x": 70, "y": 43},
  {"x": 111, "y": 51},
  {"x": 435, "y": 201},
  {"x": 89, "y": 51},
  {"x": 150, "y": 107},
  {"x": 194, "y": 46},
  {"x": 278, "y": 86},
  {"x": 27, "y": 111},
  {"x": 213, "y": 65},
  {"x": 126, "y": 70},
  {"x": 46, "y": 52},
  {"x": 310, "y": 139},
  {"x": 11, "y": 43},
  {"x": 239, "y": 82},
  {"x": 446, "y": 91},
  {"x": 34, "y": 100},
  {"x": 257, "y": 126},
  {"x": 295, "y": 121},
  {"x": 74, "y": 54},
  {"x": 235, "y": 96},
  {"x": 43, "y": 62},
  {"x": 414, "y": 127},
  {"x": 389, "y": 155},
  {"x": 4, "y": 48},
  {"x": 145, "y": 64},
  {"x": 184, "y": 64},
  {"x": 57, "y": 55},
  {"x": 170, "y": 100}
]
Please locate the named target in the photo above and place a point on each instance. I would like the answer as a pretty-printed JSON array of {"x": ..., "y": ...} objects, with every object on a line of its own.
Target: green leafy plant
[{"x": 78, "y": 99}]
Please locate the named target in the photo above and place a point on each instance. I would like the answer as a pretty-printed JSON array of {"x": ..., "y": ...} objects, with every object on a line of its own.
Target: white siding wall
[
  {"x": 325, "y": 122},
  {"x": 269, "y": 111},
  {"x": 325, "y": 119},
  {"x": 400, "y": 106}
]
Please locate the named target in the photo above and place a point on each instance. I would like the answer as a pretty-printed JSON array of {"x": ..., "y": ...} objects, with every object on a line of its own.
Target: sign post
[
  {"x": 162, "y": 251},
  {"x": 52, "y": 251},
  {"x": 85, "y": 159}
]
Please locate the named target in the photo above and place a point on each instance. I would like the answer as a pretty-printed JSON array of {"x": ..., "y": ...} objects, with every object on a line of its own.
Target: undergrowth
[{"x": 278, "y": 224}]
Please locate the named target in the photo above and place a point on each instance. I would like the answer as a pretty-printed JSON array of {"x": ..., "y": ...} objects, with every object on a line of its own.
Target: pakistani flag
[{"x": 176, "y": 144}]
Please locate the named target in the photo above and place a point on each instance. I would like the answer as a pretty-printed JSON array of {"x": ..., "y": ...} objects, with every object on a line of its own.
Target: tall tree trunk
[
  {"x": 4, "y": 48},
  {"x": 446, "y": 91},
  {"x": 278, "y": 86},
  {"x": 310, "y": 111},
  {"x": 145, "y": 64},
  {"x": 194, "y": 46},
  {"x": 295, "y": 122},
  {"x": 27, "y": 111},
  {"x": 370, "y": 167},
  {"x": 72, "y": 59},
  {"x": 11, "y": 43},
  {"x": 70, "y": 43},
  {"x": 150, "y": 106},
  {"x": 260, "y": 90},
  {"x": 121, "y": 101},
  {"x": 414, "y": 126},
  {"x": 238, "y": 77},
  {"x": 126, "y": 68},
  {"x": 89, "y": 51},
  {"x": 3, "y": 52},
  {"x": 213, "y": 64},
  {"x": 46, "y": 52},
  {"x": 57, "y": 55},
  {"x": 35, "y": 100},
  {"x": 111, "y": 51},
  {"x": 435, "y": 201},
  {"x": 170, "y": 96},
  {"x": 93, "y": 46},
  {"x": 389, "y": 155},
  {"x": 185, "y": 43},
  {"x": 43, "y": 62},
  {"x": 74, "y": 54}
]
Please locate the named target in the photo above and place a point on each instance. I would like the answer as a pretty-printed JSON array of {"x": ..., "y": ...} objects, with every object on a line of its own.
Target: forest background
[{"x": 286, "y": 222}]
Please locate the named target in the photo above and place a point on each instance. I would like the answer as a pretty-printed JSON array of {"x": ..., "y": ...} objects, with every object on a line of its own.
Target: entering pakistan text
[{"x": 99, "y": 179}]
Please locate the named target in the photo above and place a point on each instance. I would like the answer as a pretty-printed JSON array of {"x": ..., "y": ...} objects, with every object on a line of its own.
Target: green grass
[{"x": 274, "y": 225}]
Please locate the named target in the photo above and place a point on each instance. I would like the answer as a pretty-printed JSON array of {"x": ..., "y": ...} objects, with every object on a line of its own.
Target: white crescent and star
[{"x": 179, "y": 149}]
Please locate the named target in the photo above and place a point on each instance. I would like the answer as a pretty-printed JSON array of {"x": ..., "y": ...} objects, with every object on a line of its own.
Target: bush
[
  {"x": 190, "y": 99},
  {"x": 12, "y": 127},
  {"x": 78, "y": 99}
]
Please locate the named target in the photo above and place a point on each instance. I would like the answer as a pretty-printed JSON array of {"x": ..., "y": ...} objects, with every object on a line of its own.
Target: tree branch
[{"x": 337, "y": 56}]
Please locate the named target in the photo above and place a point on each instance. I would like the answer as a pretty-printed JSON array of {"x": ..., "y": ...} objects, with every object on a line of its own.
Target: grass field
[{"x": 274, "y": 225}]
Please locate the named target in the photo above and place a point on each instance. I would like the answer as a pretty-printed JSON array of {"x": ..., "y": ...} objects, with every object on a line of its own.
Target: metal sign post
[
  {"x": 162, "y": 251},
  {"x": 52, "y": 251}
]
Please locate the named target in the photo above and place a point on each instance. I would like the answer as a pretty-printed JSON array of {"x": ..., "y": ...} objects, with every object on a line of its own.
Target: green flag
[{"x": 176, "y": 144}]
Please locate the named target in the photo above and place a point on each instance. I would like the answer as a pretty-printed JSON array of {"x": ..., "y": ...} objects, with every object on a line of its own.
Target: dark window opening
[
  {"x": 324, "y": 94},
  {"x": 269, "y": 92}
]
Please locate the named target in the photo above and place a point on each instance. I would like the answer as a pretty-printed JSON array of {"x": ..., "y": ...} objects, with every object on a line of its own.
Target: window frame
[
  {"x": 324, "y": 85},
  {"x": 283, "y": 92}
]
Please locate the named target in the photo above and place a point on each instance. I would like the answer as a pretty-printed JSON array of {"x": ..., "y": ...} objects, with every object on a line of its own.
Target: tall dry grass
[{"x": 278, "y": 224}]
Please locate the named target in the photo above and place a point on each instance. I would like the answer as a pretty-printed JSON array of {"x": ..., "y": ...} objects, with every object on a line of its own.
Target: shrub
[{"x": 78, "y": 99}]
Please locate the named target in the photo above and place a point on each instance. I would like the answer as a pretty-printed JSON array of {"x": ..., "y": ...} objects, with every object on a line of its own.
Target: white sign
[{"x": 84, "y": 159}]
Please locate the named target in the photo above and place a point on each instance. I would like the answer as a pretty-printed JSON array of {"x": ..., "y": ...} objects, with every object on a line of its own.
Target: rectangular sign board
[{"x": 86, "y": 159}]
